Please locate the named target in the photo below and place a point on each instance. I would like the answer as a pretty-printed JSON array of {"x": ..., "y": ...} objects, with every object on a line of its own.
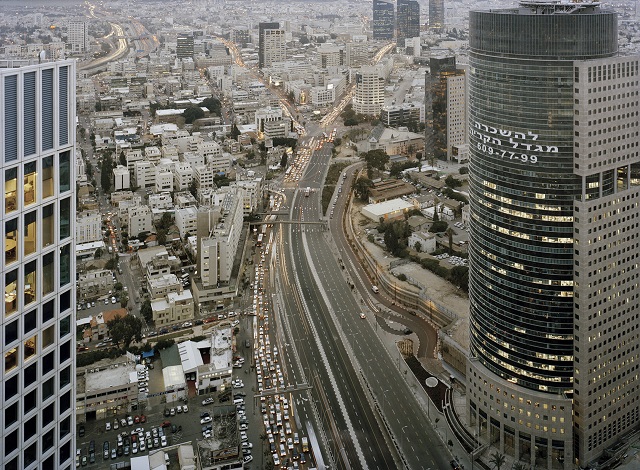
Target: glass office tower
[
  {"x": 553, "y": 130},
  {"x": 37, "y": 143},
  {"x": 384, "y": 20},
  {"x": 408, "y": 21}
]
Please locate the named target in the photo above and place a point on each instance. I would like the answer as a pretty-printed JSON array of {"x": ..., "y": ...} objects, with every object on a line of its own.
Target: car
[
  {"x": 247, "y": 458},
  {"x": 296, "y": 438},
  {"x": 206, "y": 419},
  {"x": 243, "y": 427},
  {"x": 143, "y": 446},
  {"x": 113, "y": 300},
  {"x": 93, "y": 304},
  {"x": 136, "y": 419},
  {"x": 107, "y": 426},
  {"x": 163, "y": 441},
  {"x": 455, "y": 465},
  {"x": 174, "y": 428},
  {"x": 185, "y": 408},
  {"x": 208, "y": 401},
  {"x": 179, "y": 409},
  {"x": 276, "y": 459},
  {"x": 243, "y": 436},
  {"x": 166, "y": 424},
  {"x": 129, "y": 420},
  {"x": 143, "y": 419},
  {"x": 81, "y": 430},
  {"x": 238, "y": 385},
  {"x": 134, "y": 447},
  {"x": 106, "y": 301},
  {"x": 187, "y": 324},
  {"x": 142, "y": 384},
  {"x": 114, "y": 454},
  {"x": 362, "y": 315},
  {"x": 247, "y": 445},
  {"x": 156, "y": 442},
  {"x": 88, "y": 305},
  {"x": 172, "y": 412},
  {"x": 235, "y": 323},
  {"x": 92, "y": 457},
  {"x": 123, "y": 422},
  {"x": 166, "y": 413}
]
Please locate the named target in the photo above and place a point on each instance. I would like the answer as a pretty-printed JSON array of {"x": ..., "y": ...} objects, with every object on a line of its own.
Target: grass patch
[{"x": 330, "y": 183}]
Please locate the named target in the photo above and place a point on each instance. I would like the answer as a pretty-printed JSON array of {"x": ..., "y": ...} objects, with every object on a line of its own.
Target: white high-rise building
[
  {"x": 78, "y": 36},
  {"x": 37, "y": 334},
  {"x": 369, "y": 97},
  {"x": 274, "y": 48}
]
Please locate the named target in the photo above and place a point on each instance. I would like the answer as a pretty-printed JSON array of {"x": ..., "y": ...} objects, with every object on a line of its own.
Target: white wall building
[
  {"x": 88, "y": 227},
  {"x": 121, "y": 178},
  {"x": 139, "y": 220}
]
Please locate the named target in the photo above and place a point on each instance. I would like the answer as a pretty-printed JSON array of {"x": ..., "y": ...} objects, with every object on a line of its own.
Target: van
[
  {"x": 238, "y": 401},
  {"x": 375, "y": 289}
]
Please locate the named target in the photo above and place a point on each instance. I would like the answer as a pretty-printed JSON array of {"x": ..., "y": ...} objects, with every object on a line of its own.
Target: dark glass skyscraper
[
  {"x": 383, "y": 19},
  {"x": 436, "y": 15},
  {"x": 554, "y": 165},
  {"x": 408, "y": 21}
]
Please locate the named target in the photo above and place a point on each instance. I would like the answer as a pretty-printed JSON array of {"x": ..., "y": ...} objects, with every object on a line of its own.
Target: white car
[
  {"x": 185, "y": 408},
  {"x": 243, "y": 436},
  {"x": 163, "y": 441},
  {"x": 247, "y": 445},
  {"x": 113, "y": 300},
  {"x": 205, "y": 420}
]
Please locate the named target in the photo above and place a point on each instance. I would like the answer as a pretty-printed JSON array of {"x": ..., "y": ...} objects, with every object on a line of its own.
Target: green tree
[
  {"x": 438, "y": 226},
  {"x": 192, "y": 113},
  {"x": 146, "y": 311},
  {"x": 459, "y": 276},
  {"x": 165, "y": 343},
  {"x": 118, "y": 286},
  {"x": 377, "y": 158},
  {"x": 124, "y": 300},
  {"x": 518, "y": 466},
  {"x": 123, "y": 158},
  {"x": 161, "y": 236},
  {"x": 165, "y": 221},
  {"x": 452, "y": 182},
  {"x": 105, "y": 173},
  {"x": 361, "y": 188},
  {"x": 463, "y": 170},
  {"x": 98, "y": 254},
  {"x": 284, "y": 159},
  {"x": 125, "y": 329},
  {"x": 497, "y": 460},
  {"x": 213, "y": 105},
  {"x": 111, "y": 263}
]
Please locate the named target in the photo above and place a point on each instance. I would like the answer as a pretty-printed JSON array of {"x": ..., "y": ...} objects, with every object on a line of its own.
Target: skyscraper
[
  {"x": 436, "y": 15},
  {"x": 78, "y": 36},
  {"x": 408, "y": 21},
  {"x": 184, "y": 45},
  {"x": 384, "y": 21},
  {"x": 268, "y": 40},
  {"x": 554, "y": 185},
  {"x": 448, "y": 98},
  {"x": 37, "y": 140}
]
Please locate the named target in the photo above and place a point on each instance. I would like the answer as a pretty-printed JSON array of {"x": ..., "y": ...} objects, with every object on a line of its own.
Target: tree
[
  {"x": 438, "y": 226},
  {"x": 118, "y": 286},
  {"x": 123, "y": 158},
  {"x": 192, "y": 113},
  {"x": 111, "y": 264},
  {"x": 165, "y": 221},
  {"x": 146, "y": 311},
  {"x": 449, "y": 233},
  {"x": 105, "y": 173},
  {"x": 124, "y": 300},
  {"x": 459, "y": 276},
  {"x": 213, "y": 105},
  {"x": 452, "y": 182},
  {"x": 361, "y": 188},
  {"x": 418, "y": 247},
  {"x": 463, "y": 170},
  {"x": 283, "y": 160},
  {"x": 98, "y": 254},
  {"x": 497, "y": 460},
  {"x": 162, "y": 236},
  {"x": 377, "y": 158},
  {"x": 518, "y": 466},
  {"x": 125, "y": 329}
]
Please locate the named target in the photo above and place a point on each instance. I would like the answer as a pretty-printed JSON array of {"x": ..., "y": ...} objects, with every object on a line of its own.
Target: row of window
[{"x": 24, "y": 180}]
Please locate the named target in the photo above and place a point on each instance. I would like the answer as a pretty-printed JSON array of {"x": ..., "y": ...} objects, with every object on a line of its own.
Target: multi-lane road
[{"x": 362, "y": 410}]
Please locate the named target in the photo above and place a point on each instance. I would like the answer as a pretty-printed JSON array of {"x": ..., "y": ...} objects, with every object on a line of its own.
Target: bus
[{"x": 259, "y": 242}]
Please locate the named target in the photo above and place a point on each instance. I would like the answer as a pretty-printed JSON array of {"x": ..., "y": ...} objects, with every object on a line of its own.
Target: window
[
  {"x": 65, "y": 452},
  {"x": 48, "y": 388},
  {"x": 65, "y": 402},
  {"x": 65, "y": 326},
  {"x": 48, "y": 273},
  {"x": 65, "y": 265},
  {"x": 30, "y": 375},
  {"x": 65, "y": 301},
  {"x": 65, "y": 218},
  {"x": 10, "y": 332},
  {"x": 65, "y": 352},
  {"x": 48, "y": 311},
  {"x": 30, "y": 282},
  {"x": 30, "y": 183},
  {"x": 30, "y": 428},
  {"x": 49, "y": 414},
  {"x": 30, "y": 321},
  {"x": 47, "y": 177},
  {"x": 65, "y": 171},
  {"x": 10, "y": 414},
  {"x": 10, "y": 241},
  {"x": 30, "y": 233},
  {"x": 30, "y": 347},
  {"x": 11, "y": 387},
  {"x": 10, "y": 188},
  {"x": 30, "y": 400},
  {"x": 10, "y": 443},
  {"x": 10, "y": 360},
  {"x": 48, "y": 363},
  {"x": 47, "y": 441},
  {"x": 31, "y": 453},
  {"x": 65, "y": 377},
  {"x": 48, "y": 225},
  {"x": 65, "y": 427},
  {"x": 48, "y": 336},
  {"x": 11, "y": 292}
]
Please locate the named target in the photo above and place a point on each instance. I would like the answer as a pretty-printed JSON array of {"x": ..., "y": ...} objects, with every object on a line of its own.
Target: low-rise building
[
  {"x": 139, "y": 220},
  {"x": 161, "y": 286},
  {"x": 121, "y": 178},
  {"x": 422, "y": 242},
  {"x": 394, "y": 209},
  {"x": 174, "y": 308},
  {"x": 94, "y": 284},
  {"x": 88, "y": 227},
  {"x": 144, "y": 174},
  {"x": 182, "y": 176},
  {"x": 187, "y": 220}
]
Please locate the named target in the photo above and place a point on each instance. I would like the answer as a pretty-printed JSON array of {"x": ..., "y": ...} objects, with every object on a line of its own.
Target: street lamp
[
  {"x": 384, "y": 399},
  {"x": 402, "y": 432}
]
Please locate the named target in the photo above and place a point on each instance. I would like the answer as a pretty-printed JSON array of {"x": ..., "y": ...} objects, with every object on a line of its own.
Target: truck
[
  {"x": 305, "y": 444},
  {"x": 307, "y": 191}
]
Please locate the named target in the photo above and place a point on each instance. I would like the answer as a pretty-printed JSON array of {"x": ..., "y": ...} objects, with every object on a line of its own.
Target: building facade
[
  {"x": 369, "y": 96},
  {"x": 37, "y": 147},
  {"x": 270, "y": 36},
  {"x": 184, "y": 46},
  {"x": 554, "y": 165},
  {"x": 384, "y": 20},
  {"x": 407, "y": 20},
  {"x": 449, "y": 105},
  {"x": 436, "y": 15}
]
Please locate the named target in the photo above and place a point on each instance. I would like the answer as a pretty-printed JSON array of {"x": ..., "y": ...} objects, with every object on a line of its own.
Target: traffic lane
[
  {"x": 342, "y": 366},
  {"x": 368, "y": 345}
]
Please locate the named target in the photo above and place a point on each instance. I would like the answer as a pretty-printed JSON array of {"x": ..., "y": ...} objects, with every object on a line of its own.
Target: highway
[{"x": 355, "y": 380}]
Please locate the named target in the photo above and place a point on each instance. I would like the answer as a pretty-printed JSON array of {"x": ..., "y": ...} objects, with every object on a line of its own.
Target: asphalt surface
[{"x": 330, "y": 346}]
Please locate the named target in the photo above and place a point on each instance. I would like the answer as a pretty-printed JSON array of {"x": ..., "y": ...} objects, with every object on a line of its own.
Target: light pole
[{"x": 384, "y": 399}]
